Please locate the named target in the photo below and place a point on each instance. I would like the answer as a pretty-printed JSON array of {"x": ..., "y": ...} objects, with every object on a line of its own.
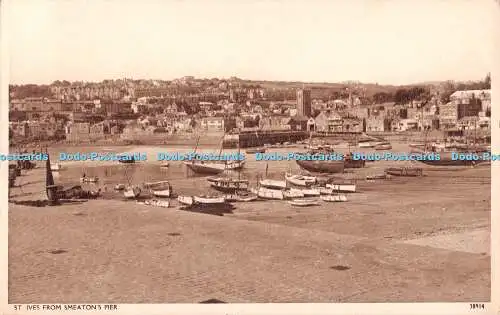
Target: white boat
[
  {"x": 293, "y": 193},
  {"x": 300, "y": 180},
  {"x": 266, "y": 193},
  {"x": 334, "y": 198},
  {"x": 119, "y": 186},
  {"x": 161, "y": 193},
  {"x": 342, "y": 187},
  {"x": 271, "y": 183},
  {"x": 160, "y": 189},
  {"x": 132, "y": 192},
  {"x": 241, "y": 197},
  {"x": 157, "y": 203},
  {"x": 55, "y": 167},
  {"x": 209, "y": 199},
  {"x": 377, "y": 176},
  {"x": 89, "y": 179},
  {"x": 186, "y": 200},
  {"x": 310, "y": 192},
  {"x": 303, "y": 202}
]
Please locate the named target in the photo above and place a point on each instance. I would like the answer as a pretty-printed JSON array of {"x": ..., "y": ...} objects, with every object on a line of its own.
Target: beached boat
[
  {"x": 342, "y": 187},
  {"x": 383, "y": 146},
  {"x": 241, "y": 197},
  {"x": 310, "y": 192},
  {"x": 416, "y": 145},
  {"x": 404, "y": 171},
  {"x": 55, "y": 167},
  {"x": 350, "y": 162},
  {"x": 329, "y": 166},
  {"x": 132, "y": 192},
  {"x": 271, "y": 183},
  {"x": 334, "y": 198},
  {"x": 256, "y": 150},
  {"x": 86, "y": 179},
  {"x": 377, "y": 176},
  {"x": 186, "y": 200},
  {"x": 266, "y": 193},
  {"x": 303, "y": 202},
  {"x": 119, "y": 186},
  {"x": 202, "y": 167},
  {"x": 228, "y": 184},
  {"x": 300, "y": 180},
  {"x": 157, "y": 203},
  {"x": 159, "y": 189},
  {"x": 293, "y": 193},
  {"x": 209, "y": 199}
]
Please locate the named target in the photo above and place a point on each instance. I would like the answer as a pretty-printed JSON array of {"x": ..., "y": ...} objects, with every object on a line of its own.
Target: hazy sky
[{"x": 394, "y": 42}]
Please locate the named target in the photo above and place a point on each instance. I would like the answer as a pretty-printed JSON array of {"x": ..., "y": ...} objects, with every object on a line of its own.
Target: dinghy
[
  {"x": 334, "y": 198},
  {"x": 300, "y": 180},
  {"x": 351, "y": 188},
  {"x": 266, "y": 193},
  {"x": 186, "y": 200},
  {"x": 303, "y": 203},
  {"x": 132, "y": 192},
  {"x": 209, "y": 199},
  {"x": 293, "y": 193},
  {"x": 160, "y": 189},
  {"x": 241, "y": 197},
  {"x": 273, "y": 184}
]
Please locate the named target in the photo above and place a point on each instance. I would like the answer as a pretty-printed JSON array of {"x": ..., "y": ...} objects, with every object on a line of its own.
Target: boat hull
[
  {"x": 209, "y": 200},
  {"x": 445, "y": 159},
  {"x": 162, "y": 193},
  {"x": 186, "y": 200},
  {"x": 273, "y": 184},
  {"x": 331, "y": 167},
  {"x": 266, "y": 193},
  {"x": 342, "y": 187},
  {"x": 204, "y": 168},
  {"x": 403, "y": 171}
]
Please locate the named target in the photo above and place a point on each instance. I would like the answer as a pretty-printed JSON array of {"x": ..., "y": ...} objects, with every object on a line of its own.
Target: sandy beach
[{"x": 398, "y": 240}]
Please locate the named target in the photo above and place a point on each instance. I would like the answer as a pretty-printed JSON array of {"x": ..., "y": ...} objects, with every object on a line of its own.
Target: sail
[{"x": 49, "y": 179}]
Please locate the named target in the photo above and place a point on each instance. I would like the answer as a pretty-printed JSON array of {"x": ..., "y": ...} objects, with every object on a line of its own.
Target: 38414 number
[{"x": 476, "y": 306}]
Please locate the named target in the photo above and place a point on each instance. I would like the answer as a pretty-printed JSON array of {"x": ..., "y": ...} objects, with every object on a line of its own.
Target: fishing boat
[
  {"x": 312, "y": 192},
  {"x": 186, "y": 200},
  {"x": 256, "y": 150},
  {"x": 383, "y": 146},
  {"x": 404, "y": 171},
  {"x": 342, "y": 187},
  {"x": 157, "y": 203},
  {"x": 119, "y": 186},
  {"x": 266, "y": 193},
  {"x": 334, "y": 198},
  {"x": 159, "y": 189},
  {"x": 132, "y": 192},
  {"x": 228, "y": 184},
  {"x": 303, "y": 202},
  {"x": 300, "y": 180},
  {"x": 273, "y": 184},
  {"x": 86, "y": 179},
  {"x": 293, "y": 193},
  {"x": 55, "y": 167},
  {"x": 204, "y": 199}
]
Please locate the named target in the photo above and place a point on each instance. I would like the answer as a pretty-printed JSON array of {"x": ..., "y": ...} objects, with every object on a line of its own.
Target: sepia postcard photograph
[{"x": 229, "y": 152}]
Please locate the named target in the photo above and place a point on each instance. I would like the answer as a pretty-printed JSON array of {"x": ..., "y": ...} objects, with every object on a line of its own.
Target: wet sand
[{"x": 401, "y": 240}]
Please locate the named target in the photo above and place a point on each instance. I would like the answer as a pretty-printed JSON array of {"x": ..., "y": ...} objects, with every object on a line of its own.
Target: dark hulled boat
[
  {"x": 322, "y": 166},
  {"x": 228, "y": 184}
]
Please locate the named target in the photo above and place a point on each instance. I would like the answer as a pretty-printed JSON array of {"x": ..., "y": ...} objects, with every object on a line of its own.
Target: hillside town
[{"x": 141, "y": 111}]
